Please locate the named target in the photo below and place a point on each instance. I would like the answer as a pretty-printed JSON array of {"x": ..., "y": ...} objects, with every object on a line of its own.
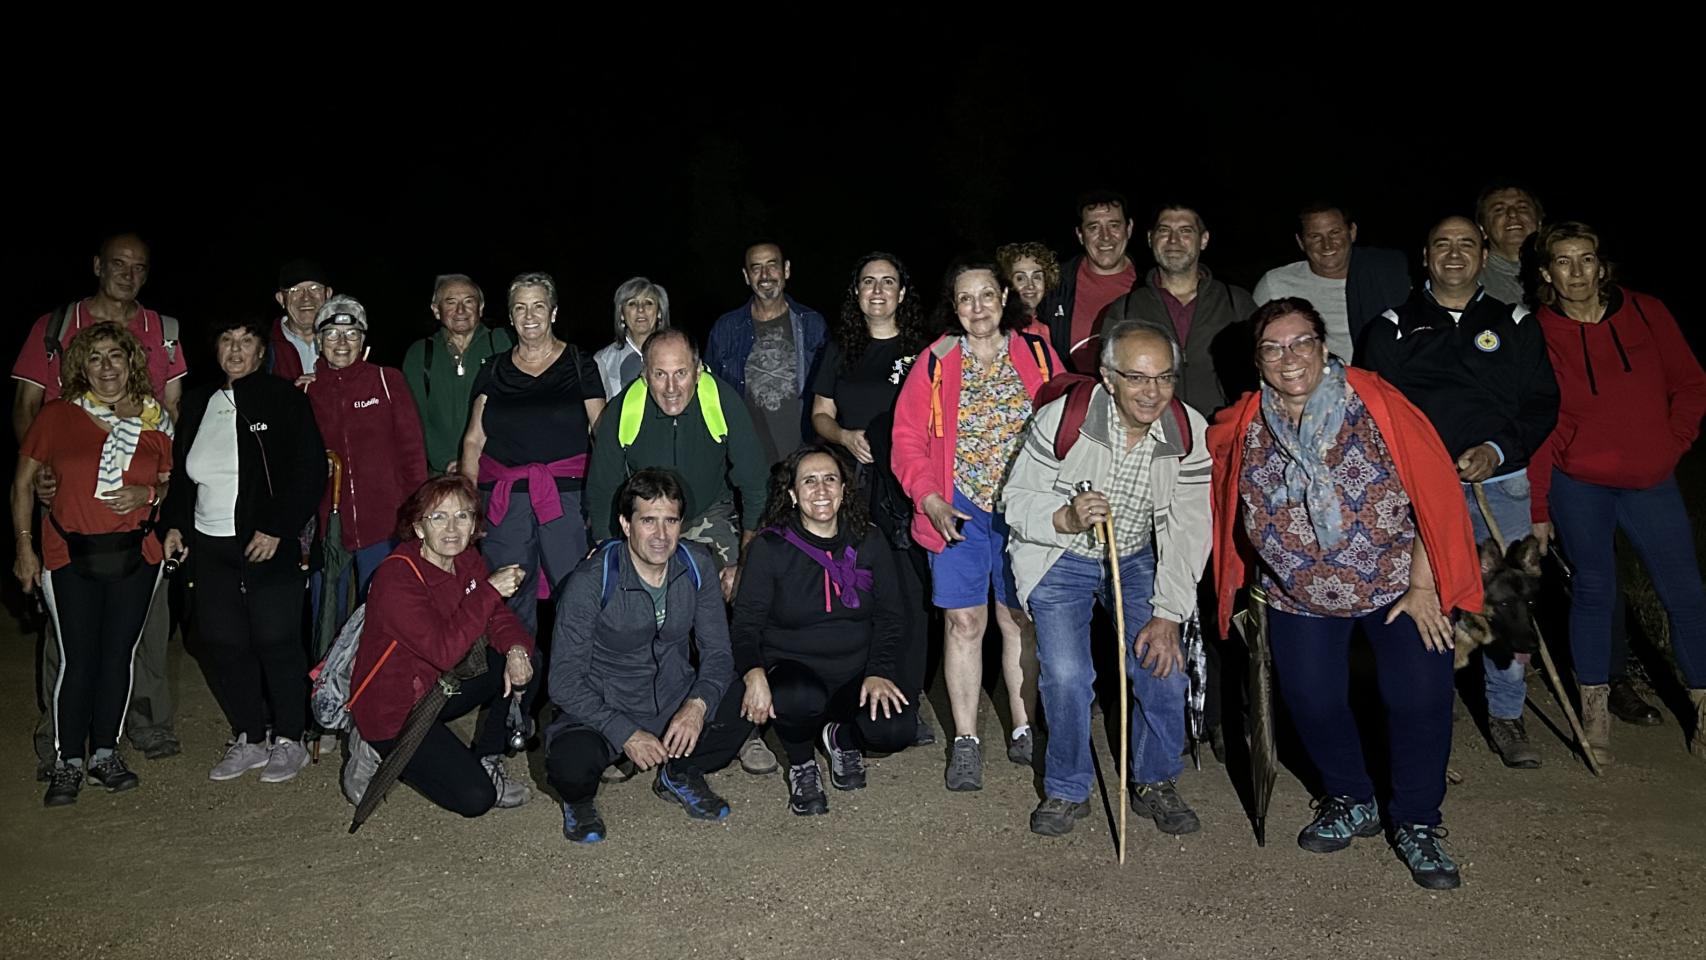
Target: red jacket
[
  {"x": 926, "y": 422},
  {"x": 1427, "y": 472},
  {"x": 282, "y": 358},
  {"x": 1630, "y": 398},
  {"x": 434, "y": 618},
  {"x": 367, "y": 417}
]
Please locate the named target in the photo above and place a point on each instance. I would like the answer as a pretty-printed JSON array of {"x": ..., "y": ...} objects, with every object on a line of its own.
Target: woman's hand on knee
[
  {"x": 757, "y": 706},
  {"x": 518, "y": 670},
  {"x": 881, "y": 691}
]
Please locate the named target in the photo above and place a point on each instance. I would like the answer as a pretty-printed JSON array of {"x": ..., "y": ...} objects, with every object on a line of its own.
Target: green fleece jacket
[{"x": 709, "y": 470}]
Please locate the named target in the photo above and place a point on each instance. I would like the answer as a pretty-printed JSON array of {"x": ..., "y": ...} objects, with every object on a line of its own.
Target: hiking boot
[
  {"x": 1055, "y": 817},
  {"x": 1596, "y": 721},
  {"x": 1019, "y": 748},
  {"x": 1338, "y": 821},
  {"x": 284, "y": 761},
  {"x": 1629, "y": 706},
  {"x": 925, "y": 735},
  {"x": 359, "y": 769},
  {"x": 846, "y": 767},
  {"x": 511, "y": 793},
  {"x": 162, "y": 748},
  {"x": 110, "y": 772},
  {"x": 1697, "y": 743},
  {"x": 965, "y": 765},
  {"x": 1429, "y": 864},
  {"x": 621, "y": 771},
  {"x": 1161, "y": 802},
  {"x": 805, "y": 790},
  {"x": 64, "y": 782},
  {"x": 688, "y": 788},
  {"x": 581, "y": 822},
  {"x": 1510, "y": 742},
  {"x": 756, "y": 758},
  {"x": 241, "y": 756}
]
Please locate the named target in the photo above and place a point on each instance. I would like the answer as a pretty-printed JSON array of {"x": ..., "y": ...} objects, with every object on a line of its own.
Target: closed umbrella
[{"x": 1252, "y": 623}]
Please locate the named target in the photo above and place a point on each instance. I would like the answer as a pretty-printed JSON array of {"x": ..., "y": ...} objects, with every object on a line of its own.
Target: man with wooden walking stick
[{"x": 1142, "y": 453}]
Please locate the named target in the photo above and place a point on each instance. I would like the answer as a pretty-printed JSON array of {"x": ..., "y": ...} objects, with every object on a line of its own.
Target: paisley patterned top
[
  {"x": 1371, "y": 567},
  {"x": 994, "y": 409}
]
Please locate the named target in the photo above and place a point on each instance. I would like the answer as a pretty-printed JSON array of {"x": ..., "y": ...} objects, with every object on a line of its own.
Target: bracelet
[
  {"x": 153, "y": 492},
  {"x": 515, "y": 650},
  {"x": 25, "y": 535}
]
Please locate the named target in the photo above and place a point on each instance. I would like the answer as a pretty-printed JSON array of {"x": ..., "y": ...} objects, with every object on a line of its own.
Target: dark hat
[{"x": 302, "y": 271}]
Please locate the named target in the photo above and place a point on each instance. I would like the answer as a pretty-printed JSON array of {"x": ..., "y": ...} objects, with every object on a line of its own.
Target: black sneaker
[
  {"x": 1629, "y": 706},
  {"x": 1338, "y": 821},
  {"x": 1161, "y": 802},
  {"x": 64, "y": 782},
  {"x": 688, "y": 788},
  {"x": 581, "y": 822},
  {"x": 162, "y": 748},
  {"x": 1019, "y": 748},
  {"x": 1055, "y": 817},
  {"x": 110, "y": 772},
  {"x": 1423, "y": 853},
  {"x": 1510, "y": 742},
  {"x": 925, "y": 735},
  {"x": 846, "y": 767},
  {"x": 965, "y": 765},
  {"x": 805, "y": 790}
]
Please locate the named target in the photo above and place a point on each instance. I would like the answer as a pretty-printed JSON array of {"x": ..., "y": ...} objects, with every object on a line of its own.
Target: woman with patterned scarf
[
  {"x": 1341, "y": 497},
  {"x": 110, "y": 443}
]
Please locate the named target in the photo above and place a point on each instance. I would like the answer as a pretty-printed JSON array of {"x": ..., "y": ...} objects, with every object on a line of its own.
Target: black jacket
[
  {"x": 1055, "y": 312},
  {"x": 1379, "y": 280},
  {"x": 281, "y": 467},
  {"x": 1217, "y": 349},
  {"x": 1483, "y": 377}
]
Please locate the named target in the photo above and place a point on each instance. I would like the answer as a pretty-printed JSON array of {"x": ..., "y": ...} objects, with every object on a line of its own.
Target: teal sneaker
[
  {"x": 1430, "y": 866},
  {"x": 1338, "y": 821}
]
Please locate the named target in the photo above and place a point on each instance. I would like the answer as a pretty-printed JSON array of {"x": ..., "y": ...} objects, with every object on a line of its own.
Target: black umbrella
[
  {"x": 1252, "y": 623},
  {"x": 415, "y": 726},
  {"x": 336, "y": 565}
]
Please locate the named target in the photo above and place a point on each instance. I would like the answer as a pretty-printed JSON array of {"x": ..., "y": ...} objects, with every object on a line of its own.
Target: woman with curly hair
[
  {"x": 875, "y": 340},
  {"x": 110, "y": 444},
  {"x": 1032, "y": 270},
  {"x": 817, "y": 627}
]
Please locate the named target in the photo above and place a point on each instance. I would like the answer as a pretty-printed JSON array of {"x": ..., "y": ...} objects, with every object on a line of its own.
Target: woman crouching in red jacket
[{"x": 429, "y": 602}]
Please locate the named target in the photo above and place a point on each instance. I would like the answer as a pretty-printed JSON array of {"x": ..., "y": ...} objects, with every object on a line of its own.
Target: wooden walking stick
[
  {"x": 1545, "y": 655},
  {"x": 1105, "y": 530}
]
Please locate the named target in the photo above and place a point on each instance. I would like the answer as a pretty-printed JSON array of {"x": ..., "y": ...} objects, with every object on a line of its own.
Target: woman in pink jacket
[{"x": 958, "y": 422}]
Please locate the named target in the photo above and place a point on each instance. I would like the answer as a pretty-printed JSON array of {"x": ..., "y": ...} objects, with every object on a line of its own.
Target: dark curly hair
[
  {"x": 851, "y": 334},
  {"x": 1013, "y": 315},
  {"x": 779, "y": 508}
]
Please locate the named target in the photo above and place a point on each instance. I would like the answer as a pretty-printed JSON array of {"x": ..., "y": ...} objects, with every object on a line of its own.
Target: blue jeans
[
  {"x": 551, "y": 550},
  {"x": 1588, "y": 517},
  {"x": 1312, "y": 665},
  {"x": 1508, "y": 498},
  {"x": 1061, "y": 605},
  {"x": 366, "y": 560}
]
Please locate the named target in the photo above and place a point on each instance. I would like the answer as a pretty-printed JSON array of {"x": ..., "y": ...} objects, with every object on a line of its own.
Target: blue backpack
[{"x": 611, "y": 562}]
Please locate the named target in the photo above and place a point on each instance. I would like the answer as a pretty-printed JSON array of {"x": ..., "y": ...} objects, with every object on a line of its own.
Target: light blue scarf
[{"x": 1308, "y": 479}]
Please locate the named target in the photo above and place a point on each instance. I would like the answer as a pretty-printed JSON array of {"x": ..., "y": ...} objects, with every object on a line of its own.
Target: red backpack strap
[{"x": 389, "y": 648}]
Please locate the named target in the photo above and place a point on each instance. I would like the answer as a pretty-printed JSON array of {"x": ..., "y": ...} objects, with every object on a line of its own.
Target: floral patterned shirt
[
  {"x": 1371, "y": 567},
  {"x": 994, "y": 409}
]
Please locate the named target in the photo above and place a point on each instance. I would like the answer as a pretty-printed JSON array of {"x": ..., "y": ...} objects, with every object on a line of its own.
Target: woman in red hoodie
[{"x": 1631, "y": 397}]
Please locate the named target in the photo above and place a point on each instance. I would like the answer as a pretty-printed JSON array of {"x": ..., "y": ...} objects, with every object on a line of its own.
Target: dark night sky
[{"x": 390, "y": 177}]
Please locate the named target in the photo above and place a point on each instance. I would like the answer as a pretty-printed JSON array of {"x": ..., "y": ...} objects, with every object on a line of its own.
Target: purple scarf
[{"x": 843, "y": 574}]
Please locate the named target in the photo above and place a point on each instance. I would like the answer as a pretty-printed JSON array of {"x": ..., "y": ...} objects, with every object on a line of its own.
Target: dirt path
[{"x": 1556, "y": 864}]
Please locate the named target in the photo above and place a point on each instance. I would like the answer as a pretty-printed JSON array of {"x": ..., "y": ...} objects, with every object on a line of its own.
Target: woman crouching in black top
[{"x": 817, "y": 628}]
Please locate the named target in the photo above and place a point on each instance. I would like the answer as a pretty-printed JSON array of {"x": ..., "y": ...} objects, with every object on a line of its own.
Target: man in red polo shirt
[
  {"x": 121, "y": 269},
  {"x": 1090, "y": 281}
]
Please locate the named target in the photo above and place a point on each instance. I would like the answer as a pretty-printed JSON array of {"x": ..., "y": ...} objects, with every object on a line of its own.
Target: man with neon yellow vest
[{"x": 678, "y": 416}]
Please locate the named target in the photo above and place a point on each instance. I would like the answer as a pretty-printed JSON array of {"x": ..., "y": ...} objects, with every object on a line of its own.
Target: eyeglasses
[
  {"x": 441, "y": 519},
  {"x": 309, "y": 289},
  {"x": 341, "y": 336},
  {"x": 1140, "y": 380},
  {"x": 1303, "y": 346}
]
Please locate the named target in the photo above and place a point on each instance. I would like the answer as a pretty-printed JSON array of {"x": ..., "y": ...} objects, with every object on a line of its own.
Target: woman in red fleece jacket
[
  {"x": 1631, "y": 397},
  {"x": 431, "y": 600}
]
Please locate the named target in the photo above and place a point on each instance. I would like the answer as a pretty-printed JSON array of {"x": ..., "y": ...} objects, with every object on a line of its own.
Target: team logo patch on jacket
[{"x": 1486, "y": 341}]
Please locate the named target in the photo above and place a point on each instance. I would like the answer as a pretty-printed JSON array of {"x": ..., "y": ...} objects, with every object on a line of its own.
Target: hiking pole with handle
[
  {"x": 1545, "y": 655},
  {"x": 1105, "y": 530}
]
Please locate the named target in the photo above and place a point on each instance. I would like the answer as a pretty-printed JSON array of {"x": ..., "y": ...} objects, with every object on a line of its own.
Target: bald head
[
  {"x": 121, "y": 268},
  {"x": 1140, "y": 367}
]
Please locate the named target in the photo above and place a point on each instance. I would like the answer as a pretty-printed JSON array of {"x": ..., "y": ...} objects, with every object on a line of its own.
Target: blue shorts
[{"x": 966, "y": 570}]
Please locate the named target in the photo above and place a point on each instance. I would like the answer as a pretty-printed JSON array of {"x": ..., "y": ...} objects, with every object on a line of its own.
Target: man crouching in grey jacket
[
  {"x": 1144, "y": 459},
  {"x": 628, "y": 619}
]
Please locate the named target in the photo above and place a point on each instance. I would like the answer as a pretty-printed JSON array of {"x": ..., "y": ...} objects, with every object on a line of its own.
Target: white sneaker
[
  {"x": 241, "y": 756},
  {"x": 511, "y": 793},
  {"x": 284, "y": 761},
  {"x": 363, "y": 763}
]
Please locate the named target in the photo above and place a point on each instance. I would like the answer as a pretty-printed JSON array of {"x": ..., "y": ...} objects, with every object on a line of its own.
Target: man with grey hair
[
  {"x": 642, "y": 308},
  {"x": 440, "y": 369},
  {"x": 1141, "y": 465}
]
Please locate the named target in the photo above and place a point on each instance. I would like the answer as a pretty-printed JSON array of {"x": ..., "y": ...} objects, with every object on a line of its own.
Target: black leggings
[
  {"x": 910, "y": 661},
  {"x": 804, "y": 702},
  {"x": 251, "y": 638},
  {"x": 99, "y": 625},
  {"x": 579, "y": 754},
  {"x": 444, "y": 769}
]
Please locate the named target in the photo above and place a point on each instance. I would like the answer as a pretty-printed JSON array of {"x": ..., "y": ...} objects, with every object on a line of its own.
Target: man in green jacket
[
  {"x": 440, "y": 369},
  {"x": 678, "y": 416}
]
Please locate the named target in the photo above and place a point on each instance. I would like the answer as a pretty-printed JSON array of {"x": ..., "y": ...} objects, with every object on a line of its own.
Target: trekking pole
[
  {"x": 1105, "y": 530},
  {"x": 1545, "y": 654}
]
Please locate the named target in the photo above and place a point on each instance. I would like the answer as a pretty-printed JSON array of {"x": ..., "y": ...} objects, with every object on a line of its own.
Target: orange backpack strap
[{"x": 389, "y": 647}]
